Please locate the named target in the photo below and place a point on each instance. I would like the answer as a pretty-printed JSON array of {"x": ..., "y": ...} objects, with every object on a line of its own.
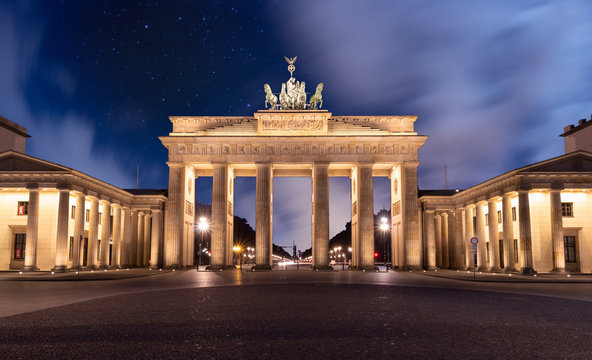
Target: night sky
[{"x": 493, "y": 83}]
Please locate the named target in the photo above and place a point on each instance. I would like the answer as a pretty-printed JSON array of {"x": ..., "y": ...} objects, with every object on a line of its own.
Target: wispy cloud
[{"x": 66, "y": 138}]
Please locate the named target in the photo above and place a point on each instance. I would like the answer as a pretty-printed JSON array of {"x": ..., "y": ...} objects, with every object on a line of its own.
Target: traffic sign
[
  {"x": 474, "y": 246},
  {"x": 474, "y": 241}
]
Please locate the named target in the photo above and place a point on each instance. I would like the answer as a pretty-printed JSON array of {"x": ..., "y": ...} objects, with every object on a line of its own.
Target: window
[
  {"x": 23, "y": 208},
  {"x": 567, "y": 209},
  {"x": 100, "y": 216},
  {"x": 87, "y": 217},
  {"x": 99, "y": 249},
  {"x": 71, "y": 247},
  {"x": 486, "y": 219},
  {"x": 515, "y": 250},
  {"x": 499, "y": 216},
  {"x": 514, "y": 213},
  {"x": 73, "y": 212},
  {"x": 569, "y": 242},
  {"x": 20, "y": 243}
]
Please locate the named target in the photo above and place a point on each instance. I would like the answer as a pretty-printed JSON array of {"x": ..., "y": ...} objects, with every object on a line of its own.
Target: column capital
[
  {"x": 63, "y": 187},
  {"x": 410, "y": 163},
  {"x": 33, "y": 186}
]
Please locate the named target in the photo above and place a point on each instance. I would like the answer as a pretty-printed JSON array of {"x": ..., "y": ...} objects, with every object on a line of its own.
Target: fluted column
[
  {"x": 78, "y": 230},
  {"x": 32, "y": 229},
  {"x": 445, "y": 242},
  {"x": 526, "y": 265},
  {"x": 219, "y": 256},
  {"x": 366, "y": 218},
  {"x": 134, "y": 239},
  {"x": 140, "y": 240},
  {"x": 320, "y": 216},
  {"x": 61, "y": 262},
  {"x": 146, "y": 255},
  {"x": 470, "y": 233},
  {"x": 428, "y": 216},
  {"x": 494, "y": 259},
  {"x": 93, "y": 233},
  {"x": 438, "y": 233},
  {"x": 116, "y": 237},
  {"x": 263, "y": 220},
  {"x": 557, "y": 232},
  {"x": 410, "y": 211},
  {"x": 451, "y": 239},
  {"x": 126, "y": 237},
  {"x": 480, "y": 235},
  {"x": 156, "y": 239},
  {"x": 105, "y": 234},
  {"x": 179, "y": 210},
  {"x": 508, "y": 225},
  {"x": 459, "y": 259}
]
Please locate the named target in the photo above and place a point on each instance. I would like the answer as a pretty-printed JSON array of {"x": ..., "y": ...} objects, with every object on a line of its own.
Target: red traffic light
[{"x": 375, "y": 254}]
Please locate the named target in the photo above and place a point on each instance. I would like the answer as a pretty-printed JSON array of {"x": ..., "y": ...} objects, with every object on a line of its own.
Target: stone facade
[{"x": 309, "y": 143}]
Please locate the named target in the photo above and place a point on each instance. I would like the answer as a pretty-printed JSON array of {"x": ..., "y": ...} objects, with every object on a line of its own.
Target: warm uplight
[{"x": 384, "y": 227}]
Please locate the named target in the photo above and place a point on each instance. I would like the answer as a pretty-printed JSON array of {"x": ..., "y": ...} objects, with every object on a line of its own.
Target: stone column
[
  {"x": 508, "y": 225},
  {"x": 526, "y": 265},
  {"x": 438, "y": 233},
  {"x": 133, "y": 239},
  {"x": 411, "y": 226},
  {"x": 140, "y": 240},
  {"x": 229, "y": 211},
  {"x": 458, "y": 257},
  {"x": 78, "y": 230},
  {"x": 445, "y": 241},
  {"x": 146, "y": 255},
  {"x": 451, "y": 239},
  {"x": 61, "y": 262},
  {"x": 470, "y": 233},
  {"x": 32, "y": 229},
  {"x": 320, "y": 216},
  {"x": 494, "y": 260},
  {"x": 366, "y": 218},
  {"x": 355, "y": 218},
  {"x": 428, "y": 216},
  {"x": 93, "y": 233},
  {"x": 480, "y": 235},
  {"x": 116, "y": 238},
  {"x": 156, "y": 239},
  {"x": 126, "y": 237},
  {"x": 105, "y": 234},
  {"x": 219, "y": 256},
  {"x": 175, "y": 216},
  {"x": 557, "y": 232},
  {"x": 264, "y": 211}
]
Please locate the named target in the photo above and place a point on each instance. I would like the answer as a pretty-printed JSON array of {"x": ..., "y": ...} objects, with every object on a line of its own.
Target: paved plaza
[{"x": 142, "y": 313}]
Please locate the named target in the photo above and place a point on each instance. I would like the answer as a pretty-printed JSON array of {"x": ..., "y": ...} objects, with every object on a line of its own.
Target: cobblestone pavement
[{"x": 304, "y": 320}]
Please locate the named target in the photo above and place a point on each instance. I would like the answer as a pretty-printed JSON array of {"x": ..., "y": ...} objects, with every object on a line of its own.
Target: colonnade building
[{"x": 536, "y": 218}]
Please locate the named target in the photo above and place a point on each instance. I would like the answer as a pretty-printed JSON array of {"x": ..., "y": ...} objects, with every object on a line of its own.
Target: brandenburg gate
[{"x": 293, "y": 138}]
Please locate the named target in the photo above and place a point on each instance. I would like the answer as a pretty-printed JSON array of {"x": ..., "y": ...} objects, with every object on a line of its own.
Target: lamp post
[
  {"x": 384, "y": 227},
  {"x": 202, "y": 226}
]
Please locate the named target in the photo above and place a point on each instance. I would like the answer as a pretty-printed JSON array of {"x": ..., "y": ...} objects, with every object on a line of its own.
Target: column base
[
  {"x": 527, "y": 271},
  {"x": 494, "y": 269},
  {"x": 261, "y": 268},
  {"x": 412, "y": 267},
  {"x": 92, "y": 267},
  {"x": 322, "y": 268},
  {"x": 106, "y": 267},
  {"x": 368, "y": 268},
  {"x": 481, "y": 268},
  {"x": 30, "y": 268},
  {"x": 170, "y": 267},
  {"x": 60, "y": 268},
  {"x": 431, "y": 268},
  {"x": 559, "y": 271},
  {"x": 509, "y": 271},
  {"x": 215, "y": 268}
]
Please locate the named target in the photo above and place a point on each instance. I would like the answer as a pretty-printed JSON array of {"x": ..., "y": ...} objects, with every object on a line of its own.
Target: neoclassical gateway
[{"x": 536, "y": 218}]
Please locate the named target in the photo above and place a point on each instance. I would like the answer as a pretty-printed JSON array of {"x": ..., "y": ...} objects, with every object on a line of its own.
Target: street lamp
[
  {"x": 203, "y": 226},
  {"x": 237, "y": 250},
  {"x": 384, "y": 227}
]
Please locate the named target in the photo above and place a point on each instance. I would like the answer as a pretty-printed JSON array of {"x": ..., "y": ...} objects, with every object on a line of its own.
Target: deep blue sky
[{"x": 493, "y": 83}]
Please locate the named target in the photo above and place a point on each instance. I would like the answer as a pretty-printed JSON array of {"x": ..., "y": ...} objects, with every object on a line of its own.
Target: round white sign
[{"x": 474, "y": 241}]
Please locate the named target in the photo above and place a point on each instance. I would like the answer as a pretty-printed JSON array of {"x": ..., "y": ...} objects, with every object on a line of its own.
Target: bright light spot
[{"x": 383, "y": 220}]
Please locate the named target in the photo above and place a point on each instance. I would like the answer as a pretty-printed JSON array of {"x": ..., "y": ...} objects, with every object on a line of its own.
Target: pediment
[
  {"x": 13, "y": 161},
  {"x": 573, "y": 162}
]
